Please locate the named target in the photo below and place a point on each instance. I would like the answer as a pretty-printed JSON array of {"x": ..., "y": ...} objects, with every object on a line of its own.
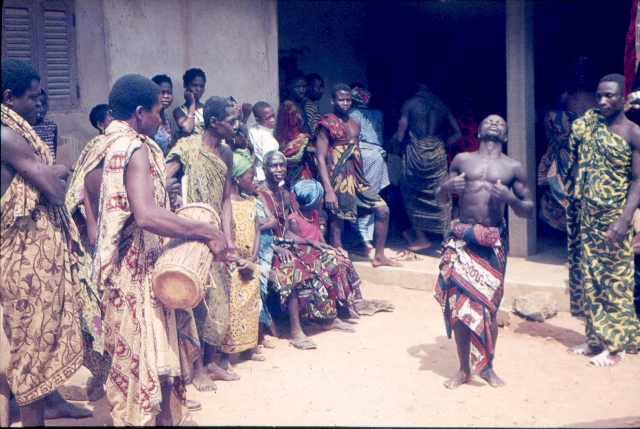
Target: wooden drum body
[{"x": 183, "y": 270}]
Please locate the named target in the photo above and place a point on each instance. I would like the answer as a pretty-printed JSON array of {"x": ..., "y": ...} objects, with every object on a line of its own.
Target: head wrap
[
  {"x": 308, "y": 193},
  {"x": 241, "y": 163},
  {"x": 360, "y": 96}
]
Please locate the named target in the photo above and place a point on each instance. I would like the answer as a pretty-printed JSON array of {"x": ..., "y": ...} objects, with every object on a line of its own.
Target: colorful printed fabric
[
  {"x": 471, "y": 284},
  {"x": 265, "y": 259},
  {"x": 306, "y": 272},
  {"x": 150, "y": 344},
  {"x": 91, "y": 317},
  {"x": 346, "y": 172},
  {"x": 244, "y": 289},
  {"x": 206, "y": 175},
  {"x": 553, "y": 168},
  {"x": 48, "y": 132},
  {"x": 312, "y": 110},
  {"x": 601, "y": 278},
  {"x": 292, "y": 132},
  {"x": 425, "y": 167},
  {"x": 163, "y": 135},
  {"x": 39, "y": 291}
]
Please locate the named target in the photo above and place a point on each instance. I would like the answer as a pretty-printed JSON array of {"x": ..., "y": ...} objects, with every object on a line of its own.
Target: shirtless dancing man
[{"x": 474, "y": 254}]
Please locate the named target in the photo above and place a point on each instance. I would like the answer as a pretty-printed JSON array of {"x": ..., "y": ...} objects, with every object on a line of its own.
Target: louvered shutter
[
  {"x": 58, "y": 56},
  {"x": 19, "y": 36}
]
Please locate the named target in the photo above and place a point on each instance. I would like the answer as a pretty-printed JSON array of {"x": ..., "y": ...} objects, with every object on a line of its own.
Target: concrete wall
[
  {"x": 235, "y": 42},
  {"x": 330, "y": 36}
]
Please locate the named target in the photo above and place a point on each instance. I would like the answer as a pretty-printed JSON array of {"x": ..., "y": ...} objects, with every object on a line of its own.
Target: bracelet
[{"x": 192, "y": 115}]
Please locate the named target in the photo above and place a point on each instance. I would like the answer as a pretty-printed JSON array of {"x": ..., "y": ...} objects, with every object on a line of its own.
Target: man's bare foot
[
  {"x": 606, "y": 358},
  {"x": 202, "y": 381},
  {"x": 252, "y": 354},
  {"x": 460, "y": 378},
  {"x": 492, "y": 378},
  {"x": 338, "y": 325},
  {"x": 56, "y": 407},
  {"x": 217, "y": 373},
  {"x": 418, "y": 243},
  {"x": 584, "y": 349},
  {"x": 267, "y": 344},
  {"x": 384, "y": 261}
]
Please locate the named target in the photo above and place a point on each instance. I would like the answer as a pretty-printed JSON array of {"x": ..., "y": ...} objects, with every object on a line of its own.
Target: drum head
[{"x": 177, "y": 290}]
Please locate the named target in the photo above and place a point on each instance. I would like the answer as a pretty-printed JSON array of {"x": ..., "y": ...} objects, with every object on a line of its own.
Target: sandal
[
  {"x": 406, "y": 255},
  {"x": 306, "y": 344}
]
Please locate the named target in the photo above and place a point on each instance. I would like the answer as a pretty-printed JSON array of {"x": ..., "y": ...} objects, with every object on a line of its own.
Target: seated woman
[
  {"x": 190, "y": 116},
  {"x": 304, "y": 221},
  {"x": 303, "y": 283}
]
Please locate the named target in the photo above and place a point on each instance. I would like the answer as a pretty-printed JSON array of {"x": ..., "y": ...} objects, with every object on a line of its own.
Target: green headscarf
[{"x": 241, "y": 163}]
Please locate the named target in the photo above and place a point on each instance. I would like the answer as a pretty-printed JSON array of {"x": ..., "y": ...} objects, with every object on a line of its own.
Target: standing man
[
  {"x": 293, "y": 132},
  {"x": 39, "y": 287},
  {"x": 340, "y": 169},
  {"x": 315, "y": 91},
  {"x": 474, "y": 255},
  {"x": 604, "y": 148},
  {"x": 428, "y": 121},
  {"x": 126, "y": 204}
]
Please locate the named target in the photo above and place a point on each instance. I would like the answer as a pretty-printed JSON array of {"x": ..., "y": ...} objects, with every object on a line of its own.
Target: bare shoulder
[
  {"x": 10, "y": 137},
  {"x": 226, "y": 154},
  {"x": 634, "y": 136}
]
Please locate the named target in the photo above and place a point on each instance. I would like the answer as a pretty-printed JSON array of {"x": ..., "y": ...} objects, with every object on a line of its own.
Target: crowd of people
[{"x": 80, "y": 245}]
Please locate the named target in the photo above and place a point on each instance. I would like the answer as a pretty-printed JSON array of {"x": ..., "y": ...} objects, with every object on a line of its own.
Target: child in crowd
[
  {"x": 261, "y": 135},
  {"x": 163, "y": 135},
  {"x": 304, "y": 221},
  {"x": 190, "y": 116},
  {"x": 242, "y": 274},
  {"x": 46, "y": 129},
  {"x": 100, "y": 117}
]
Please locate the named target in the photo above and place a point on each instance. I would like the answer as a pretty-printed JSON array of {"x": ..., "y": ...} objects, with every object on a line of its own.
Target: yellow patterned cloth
[
  {"x": 244, "y": 289},
  {"x": 39, "y": 288},
  {"x": 601, "y": 277},
  {"x": 206, "y": 174},
  {"x": 149, "y": 343}
]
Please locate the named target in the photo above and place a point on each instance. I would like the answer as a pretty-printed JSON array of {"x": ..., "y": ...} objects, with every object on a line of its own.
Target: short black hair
[
  {"x": 296, "y": 75},
  {"x": 615, "y": 77},
  {"x": 17, "y": 76},
  {"x": 191, "y": 74},
  {"x": 257, "y": 108},
  {"x": 312, "y": 77},
  {"x": 131, "y": 91},
  {"x": 159, "y": 79},
  {"x": 215, "y": 107},
  {"x": 339, "y": 87},
  {"x": 98, "y": 114}
]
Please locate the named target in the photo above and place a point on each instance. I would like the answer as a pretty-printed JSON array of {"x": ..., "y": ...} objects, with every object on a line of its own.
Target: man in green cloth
[{"x": 603, "y": 188}]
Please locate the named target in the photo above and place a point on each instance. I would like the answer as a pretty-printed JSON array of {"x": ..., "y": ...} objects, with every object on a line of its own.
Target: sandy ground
[{"x": 390, "y": 373}]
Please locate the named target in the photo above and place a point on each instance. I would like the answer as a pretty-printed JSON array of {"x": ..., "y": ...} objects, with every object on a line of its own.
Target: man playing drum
[{"x": 128, "y": 212}]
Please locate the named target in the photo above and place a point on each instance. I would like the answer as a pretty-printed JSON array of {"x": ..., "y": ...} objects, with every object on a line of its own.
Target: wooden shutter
[
  {"x": 58, "y": 54},
  {"x": 19, "y": 35}
]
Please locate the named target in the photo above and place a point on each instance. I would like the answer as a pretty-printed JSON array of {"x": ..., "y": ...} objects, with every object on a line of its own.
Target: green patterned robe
[{"x": 601, "y": 279}]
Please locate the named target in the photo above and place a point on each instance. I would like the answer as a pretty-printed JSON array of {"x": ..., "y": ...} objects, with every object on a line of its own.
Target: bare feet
[
  {"x": 338, "y": 325},
  {"x": 584, "y": 349},
  {"x": 418, "y": 243},
  {"x": 202, "y": 380},
  {"x": 56, "y": 407},
  {"x": 606, "y": 358},
  {"x": 454, "y": 382},
  {"x": 267, "y": 344},
  {"x": 217, "y": 373},
  {"x": 384, "y": 261},
  {"x": 492, "y": 378},
  {"x": 252, "y": 354}
]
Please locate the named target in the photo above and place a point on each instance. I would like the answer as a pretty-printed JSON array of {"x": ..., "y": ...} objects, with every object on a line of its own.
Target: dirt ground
[{"x": 390, "y": 373}]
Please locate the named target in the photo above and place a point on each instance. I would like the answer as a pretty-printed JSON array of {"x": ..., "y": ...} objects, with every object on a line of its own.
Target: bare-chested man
[
  {"x": 341, "y": 173},
  {"x": 474, "y": 255},
  {"x": 427, "y": 121},
  {"x": 604, "y": 191}
]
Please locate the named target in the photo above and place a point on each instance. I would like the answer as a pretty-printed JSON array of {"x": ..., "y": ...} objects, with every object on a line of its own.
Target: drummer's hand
[
  {"x": 232, "y": 254},
  {"x": 175, "y": 191},
  {"x": 218, "y": 248}
]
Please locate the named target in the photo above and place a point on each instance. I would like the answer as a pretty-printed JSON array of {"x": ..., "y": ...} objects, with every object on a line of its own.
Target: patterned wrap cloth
[
  {"x": 244, "y": 288},
  {"x": 292, "y": 132},
  {"x": 39, "y": 289},
  {"x": 471, "y": 284},
  {"x": 95, "y": 359},
  {"x": 601, "y": 276},
  {"x": 265, "y": 259},
  {"x": 150, "y": 344},
  {"x": 425, "y": 167},
  {"x": 206, "y": 174},
  {"x": 344, "y": 164}
]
